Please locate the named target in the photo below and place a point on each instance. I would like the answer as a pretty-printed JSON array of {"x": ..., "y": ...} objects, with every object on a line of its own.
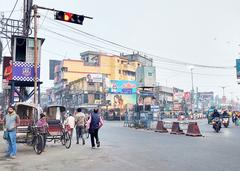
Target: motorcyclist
[
  {"x": 233, "y": 117},
  {"x": 225, "y": 114},
  {"x": 215, "y": 114}
]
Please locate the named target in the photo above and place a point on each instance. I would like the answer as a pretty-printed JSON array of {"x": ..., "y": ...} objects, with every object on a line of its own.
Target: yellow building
[{"x": 113, "y": 67}]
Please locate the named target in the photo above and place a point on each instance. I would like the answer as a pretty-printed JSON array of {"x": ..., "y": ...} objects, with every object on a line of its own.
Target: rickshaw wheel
[
  {"x": 67, "y": 140},
  {"x": 63, "y": 139},
  {"x": 38, "y": 144}
]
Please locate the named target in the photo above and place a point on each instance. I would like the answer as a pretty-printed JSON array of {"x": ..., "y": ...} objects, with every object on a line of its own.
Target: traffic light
[{"x": 69, "y": 17}]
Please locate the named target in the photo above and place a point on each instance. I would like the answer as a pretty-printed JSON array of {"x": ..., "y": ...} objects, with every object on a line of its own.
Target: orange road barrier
[
  {"x": 160, "y": 127},
  {"x": 193, "y": 130},
  {"x": 176, "y": 129}
]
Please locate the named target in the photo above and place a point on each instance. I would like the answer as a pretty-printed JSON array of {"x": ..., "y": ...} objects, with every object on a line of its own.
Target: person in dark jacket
[
  {"x": 215, "y": 114},
  {"x": 225, "y": 114},
  {"x": 95, "y": 122}
]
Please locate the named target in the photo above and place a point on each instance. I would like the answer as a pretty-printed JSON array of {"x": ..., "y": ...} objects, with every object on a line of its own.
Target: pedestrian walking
[
  {"x": 94, "y": 123},
  {"x": 80, "y": 121},
  {"x": 42, "y": 123},
  {"x": 70, "y": 123},
  {"x": 11, "y": 121}
]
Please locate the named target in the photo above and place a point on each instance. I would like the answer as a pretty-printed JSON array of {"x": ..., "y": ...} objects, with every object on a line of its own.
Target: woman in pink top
[{"x": 42, "y": 123}]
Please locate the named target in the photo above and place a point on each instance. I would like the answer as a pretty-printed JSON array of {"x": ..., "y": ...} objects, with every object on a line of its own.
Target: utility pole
[
  {"x": 27, "y": 8},
  {"x": 223, "y": 87},
  {"x": 192, "y": 93},
  {"x": 35, "y": 55}
]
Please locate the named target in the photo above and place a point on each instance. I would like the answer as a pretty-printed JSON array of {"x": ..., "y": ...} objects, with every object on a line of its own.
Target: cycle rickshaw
[
  {"x": 56, "y": 131},
  {"x": 27, "y": 132}
]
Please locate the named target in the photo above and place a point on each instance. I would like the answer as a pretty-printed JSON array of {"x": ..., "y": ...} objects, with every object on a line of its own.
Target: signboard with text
[
  {"x": 94, "y": 78},
  {"x": 238, "y": 68},
  {"x": 123, "y": 87},
  {"x": 22, "y": 71}
]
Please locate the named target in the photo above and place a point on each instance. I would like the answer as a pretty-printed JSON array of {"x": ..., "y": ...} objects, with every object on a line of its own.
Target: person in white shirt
[
  {"x": 80, "y": 120},
  {"x": 70, "y": 123}
]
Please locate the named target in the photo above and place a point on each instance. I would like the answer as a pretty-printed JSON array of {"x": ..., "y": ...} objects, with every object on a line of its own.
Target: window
[
  {"x": 64, "y": 69},
  {"x": 91, "y": 84},
  {"x": 120, "y": 72},
  {"x": 150, "y": 74},
  {"x": 85, "y": 98},
  {"x": 97, "y": 96}
]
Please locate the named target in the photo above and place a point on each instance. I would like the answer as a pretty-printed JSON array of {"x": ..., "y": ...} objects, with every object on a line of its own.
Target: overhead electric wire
[
  {"x": 164, "y": 59},
  {"x": 195, "y": 73},
  {"x": 94, "y": 46},
  {"x": 9, "y": 11},
  {"x": 6, "y": 23},
  {"x": 76, "y": 31},
  {"x": 169, "y": 69}
]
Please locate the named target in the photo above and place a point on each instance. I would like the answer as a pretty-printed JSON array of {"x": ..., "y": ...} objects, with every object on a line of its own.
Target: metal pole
[
  {"x": 35, "y": 54},
  {"x": 192, "y": 78},
  {"x": 192, "y": 98},
  {"x": 223, "y": 90}
]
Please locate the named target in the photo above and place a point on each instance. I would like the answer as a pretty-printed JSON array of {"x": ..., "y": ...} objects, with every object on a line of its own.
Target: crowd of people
[{"x": 79, "y": 121}]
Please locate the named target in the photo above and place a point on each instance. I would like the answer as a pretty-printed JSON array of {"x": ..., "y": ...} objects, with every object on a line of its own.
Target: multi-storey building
[{"x": 110, "y": 66}]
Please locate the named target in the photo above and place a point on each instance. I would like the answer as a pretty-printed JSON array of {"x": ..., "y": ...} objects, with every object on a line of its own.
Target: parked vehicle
[{"x": 27, "y": 132}]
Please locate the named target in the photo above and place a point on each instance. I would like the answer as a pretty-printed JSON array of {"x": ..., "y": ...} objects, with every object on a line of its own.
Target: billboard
[
  {"x": 187, "y": 96},
  {"x": 123, "y": 87},
  {"x": 122, "y": 100},
  {"x": 7, "y": 72},
  {"x": 178, "y": 95},
  {"x": 7, "y": 68},
  {"x": 94, "y": 78},
  {"x": 52, "y": 64},
  {"x": 238, "y": 68},
  {"x": 206, "y": 96}
]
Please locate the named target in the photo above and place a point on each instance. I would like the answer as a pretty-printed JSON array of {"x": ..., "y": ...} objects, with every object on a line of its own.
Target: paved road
[{"x": 130, "y": 149}]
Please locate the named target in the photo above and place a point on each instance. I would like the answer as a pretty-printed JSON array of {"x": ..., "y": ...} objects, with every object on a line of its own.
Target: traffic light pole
[{"x": 35, "y": 15}]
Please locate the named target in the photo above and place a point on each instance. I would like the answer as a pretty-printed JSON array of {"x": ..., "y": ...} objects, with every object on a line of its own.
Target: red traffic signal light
[{"x": 69, "y": 17}]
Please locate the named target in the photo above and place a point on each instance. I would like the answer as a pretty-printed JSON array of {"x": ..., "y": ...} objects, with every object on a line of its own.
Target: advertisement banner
[
  {"x": 7, "y": 72},
  {"x": 187, "y": 96},
  {"x": 94, "y": 78},
  {"x": 22, "y": 71},
  {"x": 123, "y": 87},
  {"x": 209, "y": 96},
  {"x": 52, "y": 65},
  {"x": 178, "y": 95},
  {"x": 122, "y": 100},
  {"x": 238, "y": 68},
  {"x": 7, "y": 68}
]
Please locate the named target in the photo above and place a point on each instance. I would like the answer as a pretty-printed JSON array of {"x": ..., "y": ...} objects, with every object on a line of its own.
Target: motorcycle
[
  {"x": 216, "y": 124},
  {"x": 225, "y": 122}
]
